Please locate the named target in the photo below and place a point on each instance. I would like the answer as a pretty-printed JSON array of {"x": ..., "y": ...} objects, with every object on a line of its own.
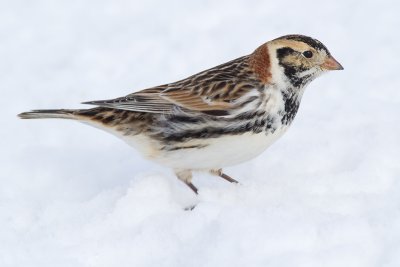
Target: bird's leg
[
  {"x": 223, "y": 175},
  {"x": 186, "y": 177}
]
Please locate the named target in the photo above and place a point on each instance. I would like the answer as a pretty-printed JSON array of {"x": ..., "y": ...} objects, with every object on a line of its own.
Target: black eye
[{"x": 308, "y": 54}]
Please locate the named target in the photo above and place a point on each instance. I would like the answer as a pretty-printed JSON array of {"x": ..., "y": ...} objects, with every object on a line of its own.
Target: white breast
[
  {"x": 228, "y": 149},
  {"x": 218, "y": 152}
]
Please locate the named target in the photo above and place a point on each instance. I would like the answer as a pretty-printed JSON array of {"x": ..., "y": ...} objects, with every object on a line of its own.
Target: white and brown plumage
[{"x": 216, "y": 118}]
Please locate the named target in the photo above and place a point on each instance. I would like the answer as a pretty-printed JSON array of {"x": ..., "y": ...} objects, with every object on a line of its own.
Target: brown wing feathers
[{"x": 215, "y": 89}]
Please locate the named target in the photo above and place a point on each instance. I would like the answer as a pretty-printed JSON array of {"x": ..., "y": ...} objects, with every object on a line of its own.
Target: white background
[{"x": 326, "y": 194}]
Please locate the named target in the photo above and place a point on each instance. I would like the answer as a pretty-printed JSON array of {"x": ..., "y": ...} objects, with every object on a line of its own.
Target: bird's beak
[{"x": 331, "y": 64}]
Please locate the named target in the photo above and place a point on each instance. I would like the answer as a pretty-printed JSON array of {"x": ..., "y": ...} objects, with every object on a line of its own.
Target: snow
[{"x": 325, "y": 194}]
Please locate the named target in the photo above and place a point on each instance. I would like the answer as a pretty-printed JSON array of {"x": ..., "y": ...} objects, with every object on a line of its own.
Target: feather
[{"x": 214, "y": 92}]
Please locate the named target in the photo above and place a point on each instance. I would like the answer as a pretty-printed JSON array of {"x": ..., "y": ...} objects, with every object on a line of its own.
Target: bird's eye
[{"x": 308, "y": 54}]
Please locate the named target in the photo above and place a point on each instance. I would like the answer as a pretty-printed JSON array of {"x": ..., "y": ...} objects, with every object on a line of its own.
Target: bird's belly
[
  {"x": 202, "y": 153},
  {"x": 214, "y": 153}
]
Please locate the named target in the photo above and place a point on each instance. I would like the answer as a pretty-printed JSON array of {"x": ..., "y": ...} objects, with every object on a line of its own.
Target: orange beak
[{"x": 331, "y": 64}]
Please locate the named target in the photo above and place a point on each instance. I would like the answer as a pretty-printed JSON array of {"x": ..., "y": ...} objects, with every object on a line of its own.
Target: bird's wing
[{"x": 213, "y": 91}]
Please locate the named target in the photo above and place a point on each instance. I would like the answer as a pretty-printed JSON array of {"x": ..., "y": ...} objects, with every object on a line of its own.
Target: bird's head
[{"x": 298, "y": 59}]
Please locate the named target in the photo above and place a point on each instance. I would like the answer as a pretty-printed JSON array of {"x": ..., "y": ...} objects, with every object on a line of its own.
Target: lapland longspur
[{"x": 219, "y": 117}]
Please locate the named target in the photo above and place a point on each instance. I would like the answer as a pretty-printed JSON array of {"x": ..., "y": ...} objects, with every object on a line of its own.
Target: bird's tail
[{"x": 49, "y": 114}]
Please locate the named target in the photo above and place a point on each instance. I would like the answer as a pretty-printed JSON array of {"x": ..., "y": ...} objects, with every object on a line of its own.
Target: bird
[{"x": 216, "y": 118}]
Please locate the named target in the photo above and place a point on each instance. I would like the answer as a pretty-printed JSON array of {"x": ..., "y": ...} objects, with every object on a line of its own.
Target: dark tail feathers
[{"x": 48, "y": 114}]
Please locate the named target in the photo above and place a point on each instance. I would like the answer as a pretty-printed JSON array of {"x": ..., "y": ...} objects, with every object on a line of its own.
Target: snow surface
[{"x": 326, "y": 194}]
